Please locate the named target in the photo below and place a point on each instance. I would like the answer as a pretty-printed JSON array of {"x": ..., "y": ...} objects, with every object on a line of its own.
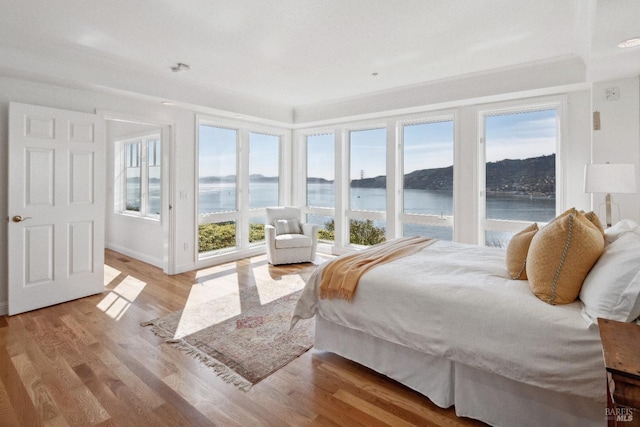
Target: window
[
  {"x": 368, "y": 170},
  {"x": 368, "y": 186},
  {"x": 238, "y": 177},
  {"x": 427, "y": 195},
  {"x": 138, "y": 186},
  {"x": 320, "y": 171},
  {"x": 519, "y": 171},
  {"x": 217, "y": 188},
  {"x": 320, "y": 184},
  {"x": 132, "y": 176},
  {"x": 264, "y": 170},
  {"x": 264, "y": 180},
  {"x": 217, "y": 170},
  {"x": 154, "y": 158}
]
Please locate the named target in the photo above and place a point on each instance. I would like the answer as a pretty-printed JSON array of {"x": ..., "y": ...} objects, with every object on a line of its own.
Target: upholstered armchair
[{"x": 288, "y": 239}]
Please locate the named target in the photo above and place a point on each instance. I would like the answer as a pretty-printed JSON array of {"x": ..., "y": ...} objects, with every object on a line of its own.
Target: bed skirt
[{"x": 476, "y": 394}]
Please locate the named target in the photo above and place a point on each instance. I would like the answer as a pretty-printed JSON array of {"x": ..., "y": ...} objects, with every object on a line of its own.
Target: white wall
[
  {"x": 576, "y": 148},
  {"x": 618, "y": 140}
]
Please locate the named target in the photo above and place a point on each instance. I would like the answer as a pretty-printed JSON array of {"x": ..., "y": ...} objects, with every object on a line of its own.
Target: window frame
[
  {"x": 279, "y": 159},
  {"x": 222, "y": 216},
  {"x": 445, "y": 221},
  {"x": 557, "y": 103},
  {"x": 362, "y": 214},
  {"x": 120, "y": 184},
  {"x": 322, "y": 211},
  {"x": 260, "y": 212}
]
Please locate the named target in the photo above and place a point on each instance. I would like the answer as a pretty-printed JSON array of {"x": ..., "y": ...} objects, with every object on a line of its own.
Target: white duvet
[{"x": 456, "y": 301}]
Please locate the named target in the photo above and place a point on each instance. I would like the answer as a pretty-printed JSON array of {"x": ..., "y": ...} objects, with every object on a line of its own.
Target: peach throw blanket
[{"x": 340, "y": 276}]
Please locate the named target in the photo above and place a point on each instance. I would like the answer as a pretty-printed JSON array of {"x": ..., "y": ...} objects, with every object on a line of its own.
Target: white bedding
[{"x": 456, "y": 301}]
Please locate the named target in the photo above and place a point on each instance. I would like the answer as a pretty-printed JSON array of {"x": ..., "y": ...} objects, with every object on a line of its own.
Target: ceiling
[{"x": 306, "y": 52}]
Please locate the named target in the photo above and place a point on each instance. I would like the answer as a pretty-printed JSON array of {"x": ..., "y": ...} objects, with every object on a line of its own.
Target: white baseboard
[
  {"x": 4, "y": 308},
  {"x": 137, "y": 255},
  {"x": 182, "y": 268}
]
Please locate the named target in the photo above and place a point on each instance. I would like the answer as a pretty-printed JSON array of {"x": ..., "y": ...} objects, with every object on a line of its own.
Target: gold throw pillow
[
  {"x": 517, "y": 251},
  {"x": 561, "y": 255},
  {"x": 591, "y": 216}
]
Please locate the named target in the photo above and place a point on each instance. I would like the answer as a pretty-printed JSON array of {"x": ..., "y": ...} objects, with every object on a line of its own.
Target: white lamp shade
[{"x": 610, "y": 178}]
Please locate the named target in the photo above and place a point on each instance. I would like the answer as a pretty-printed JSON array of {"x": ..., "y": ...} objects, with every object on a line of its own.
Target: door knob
[{"x": 18, "y": 218}]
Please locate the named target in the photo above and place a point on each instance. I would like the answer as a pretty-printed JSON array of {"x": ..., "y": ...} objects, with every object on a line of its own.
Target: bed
[{"x": 450, "y": 323}]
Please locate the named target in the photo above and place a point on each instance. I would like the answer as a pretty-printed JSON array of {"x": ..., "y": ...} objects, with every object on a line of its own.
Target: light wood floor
[{"x": 89, "y": 363}]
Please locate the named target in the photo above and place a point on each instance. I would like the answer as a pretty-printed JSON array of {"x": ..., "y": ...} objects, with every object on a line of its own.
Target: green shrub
[
  {"x": 222, "y": 235},
  {"x": 256, "y": 233},
  {"x": 328, "y": 232},
  {"x": 360, "y": 232},
  {"x": 216, "y": 236},
  {"x": 365, "y": 233}
]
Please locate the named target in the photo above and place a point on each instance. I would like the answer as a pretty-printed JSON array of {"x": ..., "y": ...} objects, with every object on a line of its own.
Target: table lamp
[{"x": 609, "y": 178}]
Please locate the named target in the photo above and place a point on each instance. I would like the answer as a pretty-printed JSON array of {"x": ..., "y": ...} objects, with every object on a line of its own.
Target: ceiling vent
[{"x": 179, "y": 67}]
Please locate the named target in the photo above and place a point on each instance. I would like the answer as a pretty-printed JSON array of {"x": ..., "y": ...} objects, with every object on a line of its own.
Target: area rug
[{"x": 248, "y": 347}]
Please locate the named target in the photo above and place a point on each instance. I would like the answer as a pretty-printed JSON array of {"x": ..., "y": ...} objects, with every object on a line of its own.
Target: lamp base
[
  {"x": 609, "y": 205},
  {"x": 608, "y": 209}
]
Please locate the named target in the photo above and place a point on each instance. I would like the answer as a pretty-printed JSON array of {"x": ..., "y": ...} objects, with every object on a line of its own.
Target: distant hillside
[
  {"x": 535, "y": 175},
  {"x": 232, "y": 178}
]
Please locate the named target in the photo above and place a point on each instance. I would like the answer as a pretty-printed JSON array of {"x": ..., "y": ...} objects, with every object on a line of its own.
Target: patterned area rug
[{"x": 244, "y": 348}]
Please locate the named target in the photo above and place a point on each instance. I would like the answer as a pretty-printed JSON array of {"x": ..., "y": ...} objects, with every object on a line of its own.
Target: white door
[{"x": 55, "y": 206}]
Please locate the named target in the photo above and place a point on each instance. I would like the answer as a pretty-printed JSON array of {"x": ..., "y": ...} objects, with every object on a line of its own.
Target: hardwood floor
[{"x": 89, "y": 363}]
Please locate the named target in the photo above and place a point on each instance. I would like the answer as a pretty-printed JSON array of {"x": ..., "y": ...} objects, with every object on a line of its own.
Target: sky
[
  {"x": 426, "y": 146},
  {"x": 320, "y": 156},
  {"x": 520, "y": 136},
  {"x": 218, "y": 152}
]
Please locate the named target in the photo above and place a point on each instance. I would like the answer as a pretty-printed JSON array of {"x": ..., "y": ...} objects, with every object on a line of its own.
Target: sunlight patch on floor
[
  {"x": 197, "y": 313},
  {"x": 217, "y": 271},
  {"x": 217, "y": 296},
  {"x": 110, "y": 274},
  {"x": 119, "y": 299},
  {"x": 271, "y": 290}
]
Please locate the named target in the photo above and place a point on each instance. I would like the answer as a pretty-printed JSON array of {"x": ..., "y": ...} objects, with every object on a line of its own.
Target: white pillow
[
  {"x": 287, "y": 226},
  {"x": 612, "y": 287},
  {"x": 618, "y": 229}
]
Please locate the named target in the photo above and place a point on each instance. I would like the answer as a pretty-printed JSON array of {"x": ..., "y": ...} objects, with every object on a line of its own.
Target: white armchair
[{"x": 288, "y": 239}]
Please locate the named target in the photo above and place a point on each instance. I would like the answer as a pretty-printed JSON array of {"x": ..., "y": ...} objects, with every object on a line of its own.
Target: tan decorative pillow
[
  {"x": 517, "y": 252},
  {"x": 591, "y": 216},
  {"x": 560, "y": 257},
  {"x": 565, "y": 213}
]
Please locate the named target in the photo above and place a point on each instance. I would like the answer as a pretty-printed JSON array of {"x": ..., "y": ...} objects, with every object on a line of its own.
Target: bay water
[{"x": 221, "y": 197}]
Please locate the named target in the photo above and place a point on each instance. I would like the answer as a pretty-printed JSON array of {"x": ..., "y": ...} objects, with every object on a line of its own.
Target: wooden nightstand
[{"x": 621, "y": 349}]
